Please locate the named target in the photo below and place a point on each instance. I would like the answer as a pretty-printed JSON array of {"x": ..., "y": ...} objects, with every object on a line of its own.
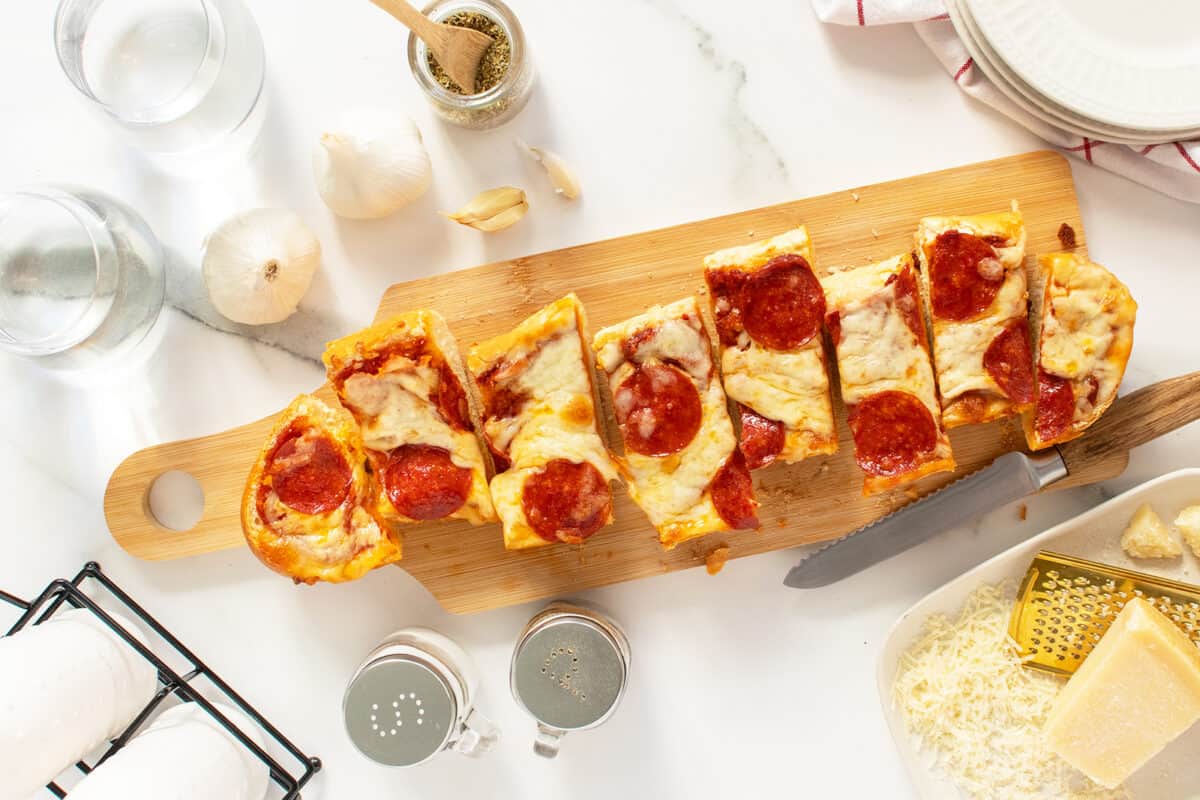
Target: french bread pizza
[
  {"x": 1083, "y": 321},
  {"x": 308, "y": 509},
  {"x": 768, "y": 309}
]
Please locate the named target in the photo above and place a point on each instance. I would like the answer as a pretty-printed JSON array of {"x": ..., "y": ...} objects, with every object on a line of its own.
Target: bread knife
[{"x": 1133, "y": 420}]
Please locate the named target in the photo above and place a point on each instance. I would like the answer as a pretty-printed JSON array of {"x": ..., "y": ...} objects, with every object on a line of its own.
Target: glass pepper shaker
[
  {"x": 413, "y": 697},
  {"x": 569, "y": 671}
]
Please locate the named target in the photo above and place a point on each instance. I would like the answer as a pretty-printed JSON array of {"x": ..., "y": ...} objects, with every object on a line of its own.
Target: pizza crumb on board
[
  {"x": 782, "y": 522},
  {"x": 1066, "y": 236},
  {"x": 854, "y": 196},
  {"x": 714, "y": 562}
]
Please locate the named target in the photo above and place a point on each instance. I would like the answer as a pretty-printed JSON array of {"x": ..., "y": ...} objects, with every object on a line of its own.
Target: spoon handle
[{"x": 425, "y": 28}]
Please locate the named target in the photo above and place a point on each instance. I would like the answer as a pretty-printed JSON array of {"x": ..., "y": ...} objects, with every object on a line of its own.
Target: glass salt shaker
[
  {"x": 569, "y": 671},
  {"x": 413, "y": 697},
  {"x": 489, "y": 108}
]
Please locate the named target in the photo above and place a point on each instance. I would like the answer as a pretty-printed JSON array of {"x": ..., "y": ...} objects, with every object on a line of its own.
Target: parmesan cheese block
[
  {"x": 1148, "y": 537},
  {"x": 1188, "y": 524},
  {"x": 1134, "y": 694},
  {"x": 183, "y": 755}
]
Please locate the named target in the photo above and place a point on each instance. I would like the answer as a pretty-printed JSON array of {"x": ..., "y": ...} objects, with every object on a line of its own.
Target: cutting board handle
[
  {"x": 1135, "y": 419},
  {"x": 214, "y": 462}
]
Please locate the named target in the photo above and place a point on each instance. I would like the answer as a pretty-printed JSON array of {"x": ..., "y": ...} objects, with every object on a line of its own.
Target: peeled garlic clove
[
  {"x": 371, "y": 164},
  {"x": 258, "y": 264},
  {"x": 493, "y": 210},
  {"x": 561, "y": 175}
]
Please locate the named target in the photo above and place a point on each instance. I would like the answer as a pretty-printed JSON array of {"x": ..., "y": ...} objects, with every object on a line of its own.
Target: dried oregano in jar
[
  {"x": 505, "y": 79},
  {"x": 495, "y": 61}
]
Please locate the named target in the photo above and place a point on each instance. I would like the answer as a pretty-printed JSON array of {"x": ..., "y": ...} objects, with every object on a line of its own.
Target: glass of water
[
  {"x": 81, "y": 277},
  {"x": 177, "y": 75}
]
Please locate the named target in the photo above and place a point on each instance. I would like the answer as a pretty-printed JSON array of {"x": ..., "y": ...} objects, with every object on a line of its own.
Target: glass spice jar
[{"x": 489, "y": 108}]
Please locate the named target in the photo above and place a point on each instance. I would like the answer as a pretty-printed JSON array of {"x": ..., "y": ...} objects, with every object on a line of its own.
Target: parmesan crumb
[
  {"x": 875, "y": 233},
  {"x": 854, "y": 196},
  {"x": 714, "y": 562},
  {"x": 964, "y": 694},
  {"x": 1147, "y": 536},
  {"x": 1188, "y": 524}
]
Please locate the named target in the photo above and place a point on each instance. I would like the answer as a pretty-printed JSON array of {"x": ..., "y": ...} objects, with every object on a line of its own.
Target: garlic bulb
[
  {"x": 371, "y": 164},
  {"x": 258, "y": 264},
  {"x": 561, "y": 176},
  {"x": 493, "y": 210}
]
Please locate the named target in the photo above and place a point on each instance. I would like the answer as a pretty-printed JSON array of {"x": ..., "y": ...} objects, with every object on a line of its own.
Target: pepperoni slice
[
  {"x": 958, "y": 288},
  {"x": 782, "y": 303},
  {"x": 908, "y": 302},
  {"x": 452, "y": 400},
  {"x": 657, "y": 409},
  {"x": 1055, "y": 406},
  {"x": 762, "y": 438},
  {"x": 892, "y": 431},
  {"x": 309, "y": 473},
  {"x": 566, "y": 501},
  {"x": 424, "y": 483},
  {"x": 732, "y": 493},
  {"x": 834, "y": 322},
  {"x": 1009, "y": 361}
]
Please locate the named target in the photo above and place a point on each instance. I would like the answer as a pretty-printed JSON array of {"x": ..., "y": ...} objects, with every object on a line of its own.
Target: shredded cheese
[{"x": 966, "y": 697}]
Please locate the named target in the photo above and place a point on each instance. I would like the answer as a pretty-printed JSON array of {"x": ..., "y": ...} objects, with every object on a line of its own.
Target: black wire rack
[{"x": 72, "y": 594}]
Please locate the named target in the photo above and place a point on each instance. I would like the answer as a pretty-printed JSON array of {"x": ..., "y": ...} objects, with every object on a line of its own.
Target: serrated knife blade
[{"x": 1010, "y": 477}]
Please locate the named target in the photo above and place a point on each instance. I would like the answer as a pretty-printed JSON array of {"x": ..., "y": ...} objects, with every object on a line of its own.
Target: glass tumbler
[
  {"x": 81, "y": 277},
  {"x": 176, "y": 75}
]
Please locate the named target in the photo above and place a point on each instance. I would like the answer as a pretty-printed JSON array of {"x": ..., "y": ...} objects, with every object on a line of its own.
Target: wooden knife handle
[{"x": 1135, "y": 419}]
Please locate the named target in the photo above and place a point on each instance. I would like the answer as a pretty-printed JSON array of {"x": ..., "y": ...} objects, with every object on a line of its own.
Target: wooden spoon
[{"x": 457, "y": 50}]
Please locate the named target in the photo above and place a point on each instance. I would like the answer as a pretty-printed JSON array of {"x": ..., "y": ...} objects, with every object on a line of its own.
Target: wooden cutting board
[{"x": 467, "y": 568}]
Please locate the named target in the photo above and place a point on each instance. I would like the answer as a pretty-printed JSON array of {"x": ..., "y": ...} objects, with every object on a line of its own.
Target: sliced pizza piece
[
  {"x": 1083, "y": 333},
  {"x": 308, "y": 511},
  {"x": 681, "y": 454},
  {"x": 874, "y": 318},
  {"x": 768, "y": 307},
  {"x": 973, "y": 282},
  {"x": 403, "y": 381},
  {"x": 539, "y": 420}
]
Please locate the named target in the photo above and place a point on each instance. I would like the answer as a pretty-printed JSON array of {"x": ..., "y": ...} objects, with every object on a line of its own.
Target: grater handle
[{"x": 1135, "y": 419}]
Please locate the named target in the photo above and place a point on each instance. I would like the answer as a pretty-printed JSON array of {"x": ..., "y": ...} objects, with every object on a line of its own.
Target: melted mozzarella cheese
[
  {"x": 959, "y": 347},
  {"x": 396, "y": 408},
  {"x": 791, "y": 387},
  {"x": 1087, "y": 328},
  {"x": 877, "y": 351}
]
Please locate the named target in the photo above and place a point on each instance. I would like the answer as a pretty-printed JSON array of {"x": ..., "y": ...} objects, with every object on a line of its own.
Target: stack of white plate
[{"x": 1114, "y": 70}]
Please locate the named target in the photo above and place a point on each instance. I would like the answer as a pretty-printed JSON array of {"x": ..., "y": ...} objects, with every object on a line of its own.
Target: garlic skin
[
  {"x": 371, "y": 164},
  {"x": 493, "y": 210},
  {"x": 560, "y": 174},
  {"x": 258, "y": 264}
]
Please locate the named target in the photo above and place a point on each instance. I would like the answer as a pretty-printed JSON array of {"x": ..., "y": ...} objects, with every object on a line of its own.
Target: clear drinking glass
[
  {"x": 177, "y": 75},
  {"x": 81, "y": 277}
]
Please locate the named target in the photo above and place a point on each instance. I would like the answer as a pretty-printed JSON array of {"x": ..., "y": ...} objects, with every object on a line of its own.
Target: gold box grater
[{"x": 1065, "y": 604}]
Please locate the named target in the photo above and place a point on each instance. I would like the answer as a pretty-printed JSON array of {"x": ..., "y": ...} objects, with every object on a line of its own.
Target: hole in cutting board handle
[{"x": 176, "y": 500}]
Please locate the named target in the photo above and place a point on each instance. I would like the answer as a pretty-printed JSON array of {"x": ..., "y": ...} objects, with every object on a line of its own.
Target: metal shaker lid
[
  {"x": 399, "y": 711},
  {"x": 569, "y": 673}
]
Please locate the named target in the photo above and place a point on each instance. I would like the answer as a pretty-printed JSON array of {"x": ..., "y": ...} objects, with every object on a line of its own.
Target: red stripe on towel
[
  {"x": 1183, "y": 152},
  {"x": 963, "y": 69}
]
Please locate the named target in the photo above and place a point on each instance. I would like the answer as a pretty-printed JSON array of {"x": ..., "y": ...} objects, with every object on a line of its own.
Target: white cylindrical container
[
  {"x": 184, "y": 754},
  {"x": 66, "y": 686},
  {"x": 413, "y": 697}
]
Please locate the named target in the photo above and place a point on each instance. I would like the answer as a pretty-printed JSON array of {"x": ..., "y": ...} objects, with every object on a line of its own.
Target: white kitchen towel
[
  {"x": 65, "y": 686},
  {"x": 183, "y": 755},
  {"x": 1172, "y": 168}
]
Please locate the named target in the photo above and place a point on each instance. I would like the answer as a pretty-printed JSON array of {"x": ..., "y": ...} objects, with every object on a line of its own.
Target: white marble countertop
[{"x": 672, "y": 110}]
